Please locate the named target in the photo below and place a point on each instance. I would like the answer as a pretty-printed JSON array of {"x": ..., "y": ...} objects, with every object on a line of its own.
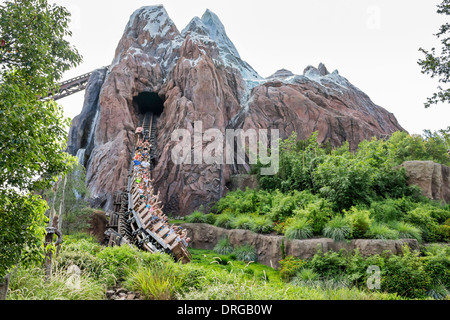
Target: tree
[
  {"x": 438, "y": 66},
  {"x": 33, "y": 57}
]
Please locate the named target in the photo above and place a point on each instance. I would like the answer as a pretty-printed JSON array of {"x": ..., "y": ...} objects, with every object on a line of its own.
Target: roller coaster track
[
  {"x": 132, "y": 221},
  {"x": 69, "y": 87}
]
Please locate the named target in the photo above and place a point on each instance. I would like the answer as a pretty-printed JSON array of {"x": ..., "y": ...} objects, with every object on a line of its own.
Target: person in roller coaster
[{"x": 143, "y": 185}]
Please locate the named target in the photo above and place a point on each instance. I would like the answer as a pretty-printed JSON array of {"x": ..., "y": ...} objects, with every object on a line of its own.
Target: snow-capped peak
[
  {"x": 158, "y": 22},
  {"x": 217, "y": 32}
]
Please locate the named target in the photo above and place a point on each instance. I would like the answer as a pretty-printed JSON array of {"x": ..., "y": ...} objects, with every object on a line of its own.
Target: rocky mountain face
[{"x": 199, "y": 76}]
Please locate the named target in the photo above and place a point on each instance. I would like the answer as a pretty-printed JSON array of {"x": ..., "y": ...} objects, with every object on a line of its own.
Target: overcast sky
[{"x": 374, "y": 44}]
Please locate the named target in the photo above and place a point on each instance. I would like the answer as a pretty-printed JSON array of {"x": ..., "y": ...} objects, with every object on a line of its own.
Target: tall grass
[
  {"x": 246, "y": 253},
  {"x": 224, "y": 220},
  {"x": 262, "y": 224},
  {"x": 338, "y": 228},
  {"x": 158, "y": 281},
  {"x": 224, "y": 246},
  {"x": 382, "y": 231},
  {"x": 196, "y": 217},
  {"x": 29, "y": 284},
  {"x": 300, "y": 229},
  {"x": 407, "y": 231},
  {"x": 242, "y": 221}
]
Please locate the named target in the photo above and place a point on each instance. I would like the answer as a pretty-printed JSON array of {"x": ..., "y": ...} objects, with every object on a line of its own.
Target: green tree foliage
[
  {"x": 33, "y": 57},
  {"x": 348, "y": 178},
  {"x": 437, "y": 65}
]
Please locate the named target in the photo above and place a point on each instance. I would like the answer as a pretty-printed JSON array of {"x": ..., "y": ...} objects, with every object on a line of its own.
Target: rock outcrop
[
  {"x": 205, "y": 236},
  {"x": 199, "y": 76},
  {"x": 433, "y": 178}
]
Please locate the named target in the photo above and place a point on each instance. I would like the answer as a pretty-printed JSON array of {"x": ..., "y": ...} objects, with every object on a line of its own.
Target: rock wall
[
  {"x": 205, "y": 236},
  {"x": 432, "y": 178}
]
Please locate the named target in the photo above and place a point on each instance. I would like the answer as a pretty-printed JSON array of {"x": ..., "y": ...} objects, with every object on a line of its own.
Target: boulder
[
  {"x": 244, "y": 181},
  {"x": 432, "y": 178}
]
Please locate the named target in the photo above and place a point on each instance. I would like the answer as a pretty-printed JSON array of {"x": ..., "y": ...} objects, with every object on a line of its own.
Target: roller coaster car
[
  {"x": 149, "y": 236},
  {"x": 181, "y": 253}
]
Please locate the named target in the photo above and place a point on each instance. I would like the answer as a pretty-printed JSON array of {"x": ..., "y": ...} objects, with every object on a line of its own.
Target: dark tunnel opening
[{"x": 149, "y": 102}]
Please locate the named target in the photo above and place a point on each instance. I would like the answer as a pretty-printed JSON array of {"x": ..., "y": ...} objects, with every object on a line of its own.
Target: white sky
[{"x": 373, "y": 43}]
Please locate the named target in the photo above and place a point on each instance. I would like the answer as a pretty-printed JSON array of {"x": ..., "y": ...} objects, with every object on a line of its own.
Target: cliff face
[{"x": 199, "y": 76}]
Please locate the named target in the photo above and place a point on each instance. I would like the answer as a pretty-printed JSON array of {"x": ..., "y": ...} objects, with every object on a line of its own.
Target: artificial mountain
[{"x": 198, "y": 75}]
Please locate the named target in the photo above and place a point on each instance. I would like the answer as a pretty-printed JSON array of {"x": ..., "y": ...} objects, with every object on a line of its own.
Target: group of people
[{"x": 143, "y": 184}]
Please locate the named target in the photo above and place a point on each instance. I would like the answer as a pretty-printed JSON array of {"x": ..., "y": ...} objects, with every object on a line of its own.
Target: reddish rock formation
[
  {"x": 199, "y": 76},
  {"x": 432, "y": 178}
]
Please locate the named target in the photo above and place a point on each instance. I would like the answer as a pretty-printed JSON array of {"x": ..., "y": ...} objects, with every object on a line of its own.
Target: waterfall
[
  {"x": 80, "y": 155},
  {"x": 92, "y": 130}
]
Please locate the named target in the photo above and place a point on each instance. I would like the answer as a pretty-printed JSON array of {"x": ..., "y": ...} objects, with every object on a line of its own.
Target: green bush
[
  {"x": 261, "y": 224},
  {"x": 299, "y": 228},
  {"x": 319, "y": 212},
  {"x": 421, "y": 217},
  {"x": 307, "y": 275},
  {"x": 224, "y": 220},
  {"x": 360, "y": 221},
  {"x": 437, "y": 265},
  {"x": 242, "y": 222},
  {"x": 329, "y": 263},
  {"x": 196, "y": 217},
  {"x": 210, "y": 218},
  {"x": 223, "y": 246},
  {"x": 338, "y": 229},
  {"x": 283, "y": 205},
  {"x": 405, "y": 275},
  {"x": 290, "y": 266}
]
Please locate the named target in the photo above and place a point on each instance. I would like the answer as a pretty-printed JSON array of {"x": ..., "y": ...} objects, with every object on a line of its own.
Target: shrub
[
  {"x": 360, "y": 221},
  {"x": 242, "y": 222},
  {"x": 300, "y": 228},
  {"x": 318, "y": 212},
  {"x": 283, "y": 205},
  {"x": 223, "y": 246},
  {"x": 337, "y": 229},
  {"x": 290, "y": 266},
  {"x": 437, "y": 265},
  {"x": 387, "y": 210},
  {"x": 241, "y": 202},
  {"x": 329, "y": 263},
  {"x": 210, "y": 218},
  {"x": 196, "y": 217},
  {"x": 224, "y": 220},
  {"x": 407, "y": 231},
  {"x": 405, "y": 275},
  {"x": 245, "y": 253},
  {"x": 382, "y": 231},
  {"x": 421, "y": 217},
  {"x": 261, "y": 224},
  {"x": 307, "y": 275}
]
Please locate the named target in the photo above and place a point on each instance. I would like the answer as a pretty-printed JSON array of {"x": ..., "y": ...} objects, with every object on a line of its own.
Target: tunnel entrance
[{"x": 149, "y": 102}]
